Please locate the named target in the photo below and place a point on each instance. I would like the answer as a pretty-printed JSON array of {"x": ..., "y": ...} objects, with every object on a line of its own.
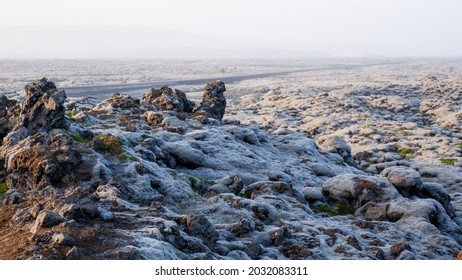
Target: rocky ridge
[{"x": 157, "y": 178}]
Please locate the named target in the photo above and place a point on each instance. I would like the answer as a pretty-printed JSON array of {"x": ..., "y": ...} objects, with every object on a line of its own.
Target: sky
[{"x": 333, "y": 27}]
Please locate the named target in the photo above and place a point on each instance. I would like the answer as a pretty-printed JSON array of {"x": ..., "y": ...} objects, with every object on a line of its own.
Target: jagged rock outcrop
[
  {"x": 6, "y": 115},
  {"x": 213, "y": 101},
  {"x": 167, "y": 99},
  {"x": 43, "y": 107},
  {"x": 172, "y": 188},
  {"x": 42, "y": 160},
  {"x": 118, "y": 103}
]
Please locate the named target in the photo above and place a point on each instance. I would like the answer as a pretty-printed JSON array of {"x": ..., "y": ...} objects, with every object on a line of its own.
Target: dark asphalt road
[{"x": 101, "y": 91}]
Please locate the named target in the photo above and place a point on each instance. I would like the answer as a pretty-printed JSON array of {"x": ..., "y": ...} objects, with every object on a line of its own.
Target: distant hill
[{"x": 74, "y": 42}]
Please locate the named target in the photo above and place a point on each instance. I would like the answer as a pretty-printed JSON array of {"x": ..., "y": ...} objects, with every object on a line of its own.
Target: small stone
[
  {"x": 238, "y": 255},
  {"x": 71, "y": 211},
  {"x": 353, "y": 242},
  {"x": 253, "y": 250},
  {"x": 336, "y": 144},
  {"x": 375, "y": 212},
  {"x": 330, "y": 241},
  {"x": 63, "y": 239},
  {"x": 277, "y": 236},
  {"x": 406, "y": 180},
  {"x": 104, "y": 214},
  {"x": 46, "y": 219},
  {"x": 296, "y": 252},
  {"x": 406, "y": 255},
  {"x": 243, "y": 227},
  {"x": 437, "y": 192},
  {"x": 201, "y": 228},
  {"x": 312, "y": 194},
  {"x": 378, "y": 253},
  {"x": 397, "y": 248},
  {"x": 35, "y": 210},
  {"x": 75, "y": 253}
]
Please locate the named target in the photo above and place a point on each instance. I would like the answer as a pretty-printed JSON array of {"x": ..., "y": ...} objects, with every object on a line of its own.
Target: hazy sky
[{"x": 338, "y": 27}]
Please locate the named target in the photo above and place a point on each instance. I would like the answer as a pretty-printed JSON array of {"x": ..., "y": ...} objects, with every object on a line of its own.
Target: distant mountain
[{"x": 74, "y": 42}]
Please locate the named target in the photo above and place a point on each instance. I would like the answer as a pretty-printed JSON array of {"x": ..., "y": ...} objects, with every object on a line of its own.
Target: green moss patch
[
  {"x": 198, "y": 183},
  {"x": 70, "y": 113},
  {"x": 403, "y": 152},
  {"x": 76, "y": 137},
  {"x": 448, "y": 161},
  {"x": 340, "y": 208},
  {"x": 458, "y": 145},
  {"x": 124, "y": 157},
  {"x": 107, "y": 143},
  {"x": 3, "y": 189}
]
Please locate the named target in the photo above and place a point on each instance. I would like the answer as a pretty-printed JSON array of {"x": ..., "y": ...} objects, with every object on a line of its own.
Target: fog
[{"x": 239, "y": 28}]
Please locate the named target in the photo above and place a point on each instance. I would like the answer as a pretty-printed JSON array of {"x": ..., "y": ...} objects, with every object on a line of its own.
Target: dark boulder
[
  {"x": 6, "y": 115},
  {"x": 167, "y": 99},
  {"x": 43, "y": 107},
  {"x": 213, "y": 103}
]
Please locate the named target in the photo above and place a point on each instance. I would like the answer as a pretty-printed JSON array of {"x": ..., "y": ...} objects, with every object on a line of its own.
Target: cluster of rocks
[
  {"x": 414, "y": 125},
  {"x": 147, "y": 179},
  {"x": 165, "y": 99}
]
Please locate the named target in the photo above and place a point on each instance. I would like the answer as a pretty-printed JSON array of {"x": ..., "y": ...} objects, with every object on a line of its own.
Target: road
[{"x": 104, "y": 91}]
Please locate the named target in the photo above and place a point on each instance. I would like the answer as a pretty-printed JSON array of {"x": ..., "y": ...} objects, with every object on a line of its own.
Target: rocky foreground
[{"x": 164, "y": 178}]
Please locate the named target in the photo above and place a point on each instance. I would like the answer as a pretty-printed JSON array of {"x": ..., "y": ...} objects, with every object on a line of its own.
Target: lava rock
[
  {"x": 75, "y": 253},
  {"x": 46, "y": 219},
  {"x": 43, "y": 107},
  {"x": 229, "y": 184},
  {"x": 437, "y": 192},
  {"x": 358, "y": 189},
  {"x": 167, "y": 99},
  {"x": 336, "y": 144},
  {"x": 397, "y": 248},
  {"x": 213, "y": 101},
  {"x": 253, "y": 250},
  {"x": 63, "y": 239},
  {"x": 406, "y": 180},
  {"x": 118, "y": 103},
  {"x": 6, "y": 115},
  {"x": 201, "y": 228},
  {"x": 243, "y": 227}
]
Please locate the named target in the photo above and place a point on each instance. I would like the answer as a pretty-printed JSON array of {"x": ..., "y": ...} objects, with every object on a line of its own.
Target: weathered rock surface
[
  {"x": 358, "y": 190},
  {"x": 213, "y": 101},
  {"x": 337, "y": 145},
  {"x": 406, "y": 180},
  {"x": 167, "y": 99},
  {"x": 6, "y": 115},
  {"x": 121, "y": 104},
  {"x": 147, "y": 180},
  {"x": 46, "y": 219},
  {"x": 43, "y": 107}
]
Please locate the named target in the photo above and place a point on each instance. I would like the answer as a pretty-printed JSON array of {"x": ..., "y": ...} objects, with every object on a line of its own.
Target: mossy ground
[
  {"x": 340, "y": 208},
  {"x": 71, "y": 113},
  {"x": 198, "y": 183},
  {"x": 448, "y": 161},
  {"x": 76, "y": 137},
  {"x": 3, "y": 189},
  {"x": 124, "y": 157},
  {"x": 403, "y": 152},
  {"x": 458, "y": 145},
  {"x": 107, "y": 142}
]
